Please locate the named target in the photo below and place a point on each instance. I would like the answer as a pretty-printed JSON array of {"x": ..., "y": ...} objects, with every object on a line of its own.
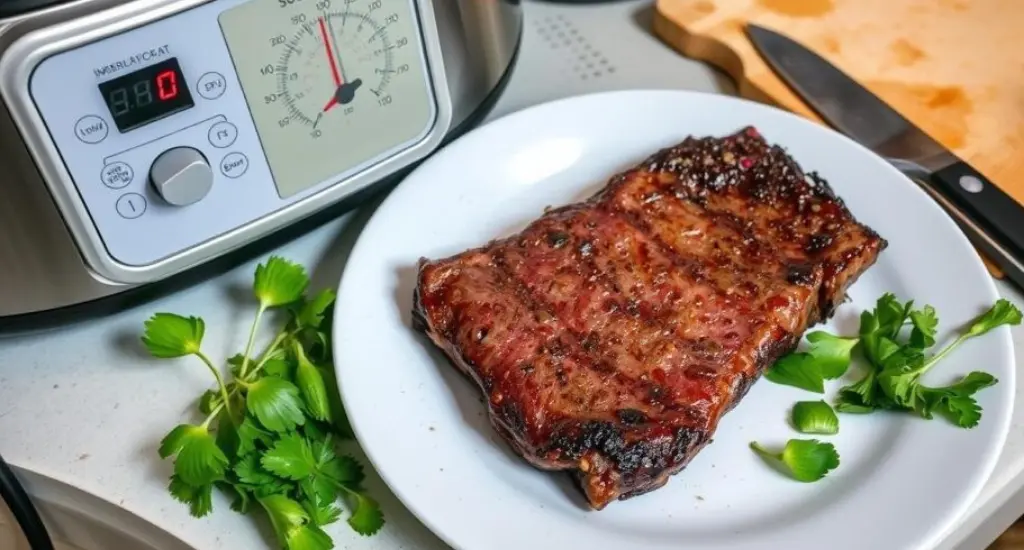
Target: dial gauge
[
  {"x": 334, "y": 84},
  {"x": 311, "y": 65}
]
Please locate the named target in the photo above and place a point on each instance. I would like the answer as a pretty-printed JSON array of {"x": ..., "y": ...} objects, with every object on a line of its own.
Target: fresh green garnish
[
  {"x": 270, "y": 434},
  {"x": 805, "y": 460},
  {"x": 815, "y": 417},
  {"x": 798, "y": 370},
  {"x": 827, "y": 358},
  {"x": 896, "y": 362},
  {"x": 896, "y": 367}
]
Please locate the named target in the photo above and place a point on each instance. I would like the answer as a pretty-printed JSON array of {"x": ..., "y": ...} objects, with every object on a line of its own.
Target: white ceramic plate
[{"x": 902, "y": 481}]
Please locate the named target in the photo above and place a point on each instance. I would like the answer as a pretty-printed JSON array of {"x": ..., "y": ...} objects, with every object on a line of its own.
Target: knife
[{"x": 991, "y": 219}]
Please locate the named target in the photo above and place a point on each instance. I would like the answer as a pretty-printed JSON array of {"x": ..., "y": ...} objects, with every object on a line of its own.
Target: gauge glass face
[{"x": 332, "y": 85}]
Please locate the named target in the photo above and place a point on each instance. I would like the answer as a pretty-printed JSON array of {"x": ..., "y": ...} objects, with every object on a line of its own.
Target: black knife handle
[{"x": 986, "y": 204}]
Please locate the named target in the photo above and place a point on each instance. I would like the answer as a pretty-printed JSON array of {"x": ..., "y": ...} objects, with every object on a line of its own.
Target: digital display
[{"x": 146, "y": 95}]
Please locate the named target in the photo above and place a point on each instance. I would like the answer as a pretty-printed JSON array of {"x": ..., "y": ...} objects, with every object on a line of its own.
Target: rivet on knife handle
[{"x": 992, "y": 209}]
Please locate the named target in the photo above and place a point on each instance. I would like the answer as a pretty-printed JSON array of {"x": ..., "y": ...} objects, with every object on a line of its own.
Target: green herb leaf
[
  {"x": 319, "y": 489},
  {"x": 894, "y": 381},
  {"x": 275, "y": 403},
  {"x": 308, "y": 537},
  {"x": 285, "y": 514},
  {"x": 805, "y": 460},
  {"x": 972, "y": 383},
  {"x": 925, "y": 323},
  {"x": 249, "y": 471},
  {"x": 209, "y": 401},
  {"x": 235, "y": 363},
  {"x": 311, "y": 314},
  {"x": 859, "y": 395},
  {"x": 880, "y": 327},
  {"x": 345, "y": 470},
  {"x": 831, "y": 353},
  {"x": 311, "y": 383},
  {"x": 199, "y": 499},
  {"x": 956, "y": 402},
  {"x": 279, "y": 282},
  {"x": 275, "y": 420},
  {"x": 199, "y": 460},
  {"x": 850, "y": 408},
  {"x": 339, "y": 420},
  {"x": 891, "y": 315},
  {"x": 1002, "y": 313},
  {"x": 799, "y": 370},
  {"x": 241, "y": 501},
  {"x": 366, "y": 518},
  {"x": 323, "y": 513},
  {"x": 899, "y": 379},
  {"x": 279, "y": 367},
  {"x": 815, "y": 417},
  {"x": 168, "y": 335},
  {"x": 250, "y": 435},
  {"x": 291, "y": 457}
]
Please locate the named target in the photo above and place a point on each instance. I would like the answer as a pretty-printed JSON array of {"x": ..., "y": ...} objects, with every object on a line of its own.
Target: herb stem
[
  {"x": 764, "y": 452},
  {"x": 220, "y": 382},
  {"x": 213, "y": 414},
  {"x": 944, "y": 352},
  {"x": 269, "y": 352},
  {"x": 340, "y": 485},
  {"x": 252, "y": 338}
]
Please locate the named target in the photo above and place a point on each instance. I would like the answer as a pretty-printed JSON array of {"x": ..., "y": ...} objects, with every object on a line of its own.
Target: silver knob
[{"x": 181, "y": 175}]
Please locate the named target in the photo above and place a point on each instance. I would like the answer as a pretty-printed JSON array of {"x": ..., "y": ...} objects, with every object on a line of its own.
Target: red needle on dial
[{"x": 330, "y": 61}]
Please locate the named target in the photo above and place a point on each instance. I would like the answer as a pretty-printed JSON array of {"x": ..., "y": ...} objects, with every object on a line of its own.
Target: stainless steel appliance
[{"x": 146, "y": 144}]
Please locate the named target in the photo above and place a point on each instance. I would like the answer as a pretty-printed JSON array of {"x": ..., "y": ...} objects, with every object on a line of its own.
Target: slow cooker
[{"x": 148, "y": 144}]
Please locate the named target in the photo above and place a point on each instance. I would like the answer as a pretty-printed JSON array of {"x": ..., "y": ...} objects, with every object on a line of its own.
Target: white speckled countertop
[{"x": 82, "y": 409}]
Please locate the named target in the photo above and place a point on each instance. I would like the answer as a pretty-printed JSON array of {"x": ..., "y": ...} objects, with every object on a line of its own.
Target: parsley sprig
[
  {"x": 896, "y": 359},
  {"x": 270, "y": 432},
  {"x": 806, "y": 460},
  {"x": 896, "y": 365}
]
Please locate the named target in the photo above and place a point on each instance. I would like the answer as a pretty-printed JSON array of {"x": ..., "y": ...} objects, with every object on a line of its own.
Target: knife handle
[{"x": 994, "y": 211}]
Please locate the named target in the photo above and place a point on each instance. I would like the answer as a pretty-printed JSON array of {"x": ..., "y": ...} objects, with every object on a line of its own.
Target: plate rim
[{"x": 981, "y": 474}]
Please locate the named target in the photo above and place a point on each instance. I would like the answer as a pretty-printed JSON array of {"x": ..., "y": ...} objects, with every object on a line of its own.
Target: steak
[{"x": 610, "y": 336}]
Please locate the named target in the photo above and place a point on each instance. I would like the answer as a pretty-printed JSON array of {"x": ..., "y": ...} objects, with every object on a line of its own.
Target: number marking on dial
[{"x": 326, "y": 62}]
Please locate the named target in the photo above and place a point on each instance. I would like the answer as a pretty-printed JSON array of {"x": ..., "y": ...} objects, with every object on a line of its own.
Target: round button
[
  {"x": 233, "y": 165},
  {"x": 131, "y": 206},
  {"x": 971, "y": 184},
  {"x": 117, "y": 175},
  {"x": 222, "y": 134},
  {"x": 91, "y": 129},
  {"x": 212, "y": 85},
  {"x": 181, "y": 176}
]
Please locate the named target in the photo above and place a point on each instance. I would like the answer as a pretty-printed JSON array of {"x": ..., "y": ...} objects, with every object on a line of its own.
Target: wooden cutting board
[{"x": 953, "y": 67}]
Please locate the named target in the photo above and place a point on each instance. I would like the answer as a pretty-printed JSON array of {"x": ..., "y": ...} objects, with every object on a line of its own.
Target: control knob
[{"x": 181, "y": 175}]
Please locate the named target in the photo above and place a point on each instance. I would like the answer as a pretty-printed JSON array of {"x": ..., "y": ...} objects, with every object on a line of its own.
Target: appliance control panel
[{"x": 194, "y": 125}]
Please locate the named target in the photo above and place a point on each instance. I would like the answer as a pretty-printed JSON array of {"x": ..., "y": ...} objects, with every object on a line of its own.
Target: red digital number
[{"x": 167, "y": 85}]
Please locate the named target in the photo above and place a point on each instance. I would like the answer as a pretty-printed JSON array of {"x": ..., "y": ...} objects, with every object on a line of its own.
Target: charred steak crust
[{"x": 610, "y": 336}]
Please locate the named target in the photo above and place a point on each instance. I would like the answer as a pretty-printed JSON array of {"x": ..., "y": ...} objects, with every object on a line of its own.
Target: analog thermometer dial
[
  {"x": 316, "y": 80},
  {"x": 333, "y": 85}
]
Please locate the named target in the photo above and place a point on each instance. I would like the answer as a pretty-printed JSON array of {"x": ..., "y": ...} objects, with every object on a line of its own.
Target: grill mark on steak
[
  {"x": 737, "y": 265},
  {"x": 640, "y": 341},
  {"x": 594, "y": 356},
  {"x": 601, "y": 333},
  {"x": 771, "y": 192},
  {"x": 497, "y": 362},
  {"x": 570, "y": 344}
]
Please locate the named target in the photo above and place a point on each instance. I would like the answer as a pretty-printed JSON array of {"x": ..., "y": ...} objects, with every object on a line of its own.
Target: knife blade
[{"x": 992, "y": 220}]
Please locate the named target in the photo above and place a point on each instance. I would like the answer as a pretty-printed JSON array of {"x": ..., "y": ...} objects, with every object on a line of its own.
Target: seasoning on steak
[{"x": 610, "y": 336}]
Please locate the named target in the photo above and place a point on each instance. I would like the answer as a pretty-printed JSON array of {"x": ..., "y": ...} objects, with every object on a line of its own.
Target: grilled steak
[{"x": 610, "y": 336}]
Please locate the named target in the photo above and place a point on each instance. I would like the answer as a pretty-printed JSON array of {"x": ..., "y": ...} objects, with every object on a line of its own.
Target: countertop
[{"x": 82, "y": 408}]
